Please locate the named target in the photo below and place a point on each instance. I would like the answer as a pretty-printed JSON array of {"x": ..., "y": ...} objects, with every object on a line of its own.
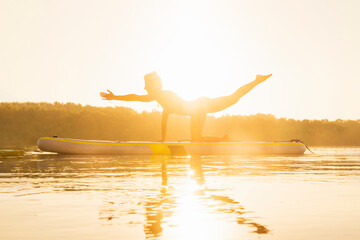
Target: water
[{"x": 211, "y": 197}]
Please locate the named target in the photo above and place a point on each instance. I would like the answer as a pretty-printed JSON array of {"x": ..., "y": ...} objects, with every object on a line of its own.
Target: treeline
[{"x": 22, "y": 124}]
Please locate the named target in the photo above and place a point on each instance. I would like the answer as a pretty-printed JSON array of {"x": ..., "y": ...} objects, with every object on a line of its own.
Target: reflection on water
[
  {"x": 208, "y": 197},
  {"x": 185, "y": 210}
]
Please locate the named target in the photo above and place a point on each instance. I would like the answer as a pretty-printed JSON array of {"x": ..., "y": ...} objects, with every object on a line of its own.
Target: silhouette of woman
[{"x": 196, "y": 109}]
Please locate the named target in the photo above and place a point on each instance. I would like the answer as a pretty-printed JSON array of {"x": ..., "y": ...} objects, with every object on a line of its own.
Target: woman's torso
[{"x": 172, "y": 103}]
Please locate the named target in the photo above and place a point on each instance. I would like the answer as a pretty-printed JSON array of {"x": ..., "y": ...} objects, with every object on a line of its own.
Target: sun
[{"x": 193, "y": 64}]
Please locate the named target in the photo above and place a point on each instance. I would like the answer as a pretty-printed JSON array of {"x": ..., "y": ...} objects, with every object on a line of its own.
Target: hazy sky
[{"x": 69, "y": 51}]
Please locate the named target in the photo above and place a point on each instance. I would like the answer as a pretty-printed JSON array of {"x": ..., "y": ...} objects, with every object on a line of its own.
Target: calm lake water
[{"x": 44, "y": 196}]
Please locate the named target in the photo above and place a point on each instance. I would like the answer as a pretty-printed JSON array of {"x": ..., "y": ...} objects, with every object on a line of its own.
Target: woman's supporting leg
[
  {"x": 197, "y": 125},
  {"x": 221, "y": 103}
]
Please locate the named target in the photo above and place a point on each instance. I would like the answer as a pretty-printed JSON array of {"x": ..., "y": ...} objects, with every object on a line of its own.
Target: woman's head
[{"x": 153, "y": 82}]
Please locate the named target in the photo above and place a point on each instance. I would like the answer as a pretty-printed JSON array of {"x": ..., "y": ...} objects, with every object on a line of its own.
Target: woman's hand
[{"x": 107, "y": 96}]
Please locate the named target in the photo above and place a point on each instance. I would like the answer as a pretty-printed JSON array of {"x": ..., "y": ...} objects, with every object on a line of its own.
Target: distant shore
[{"x": 22, "y": 124}]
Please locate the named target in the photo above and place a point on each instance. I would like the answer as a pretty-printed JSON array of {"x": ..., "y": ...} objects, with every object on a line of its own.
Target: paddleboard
[{"x": 79, "y": 146}]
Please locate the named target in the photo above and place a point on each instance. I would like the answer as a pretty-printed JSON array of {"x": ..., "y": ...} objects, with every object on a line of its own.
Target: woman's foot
[
  {"x": 262, "y": 78},
  {"x": 211, "y": 139},
  {"x": 225, "y": 138}
]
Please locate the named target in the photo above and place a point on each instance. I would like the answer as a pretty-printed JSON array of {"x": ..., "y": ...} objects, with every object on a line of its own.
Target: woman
[{"x": 197, "y": 109}]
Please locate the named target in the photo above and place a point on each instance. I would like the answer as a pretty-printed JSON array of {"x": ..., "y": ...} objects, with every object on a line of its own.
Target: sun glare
[
  {"x": 191, "y": 63},
  {"x": 191, "y": 216}
]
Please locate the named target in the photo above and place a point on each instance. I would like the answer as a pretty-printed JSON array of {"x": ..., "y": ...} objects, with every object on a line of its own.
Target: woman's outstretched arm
[{"x": 129, "y": 97}]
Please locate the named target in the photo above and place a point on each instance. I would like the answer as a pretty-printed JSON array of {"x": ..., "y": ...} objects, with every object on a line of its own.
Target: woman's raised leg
[{"x": 221, "y": 103}]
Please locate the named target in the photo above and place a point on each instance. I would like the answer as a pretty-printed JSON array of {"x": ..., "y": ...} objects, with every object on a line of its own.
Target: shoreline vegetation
[{"x": 22, "y": 124}]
